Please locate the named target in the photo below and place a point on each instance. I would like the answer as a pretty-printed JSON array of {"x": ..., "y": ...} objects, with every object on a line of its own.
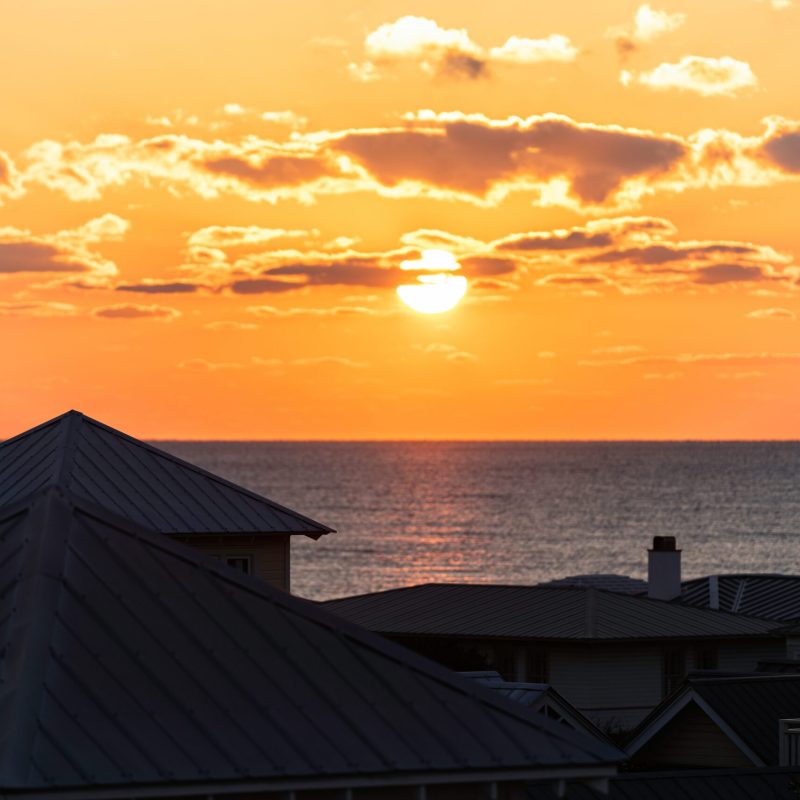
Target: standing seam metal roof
[
  {"x": 128, "y": 477},
  {"x": 534, "y": 612},
  {"x": 128, "y": 658},
  {"x": 767, "y": 596}
]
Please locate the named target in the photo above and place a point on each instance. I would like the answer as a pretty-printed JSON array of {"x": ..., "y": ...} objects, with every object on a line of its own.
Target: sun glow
[{"x": 436, "y": 291}]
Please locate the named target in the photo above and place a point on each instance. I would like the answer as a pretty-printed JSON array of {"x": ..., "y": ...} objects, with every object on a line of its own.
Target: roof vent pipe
[{"x": 663, "y": 569}]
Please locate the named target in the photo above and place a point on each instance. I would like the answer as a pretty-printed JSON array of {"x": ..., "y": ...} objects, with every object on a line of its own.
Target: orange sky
[{"x": 204, "y": 208}]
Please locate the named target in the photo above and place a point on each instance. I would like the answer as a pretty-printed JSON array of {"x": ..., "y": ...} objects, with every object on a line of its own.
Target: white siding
[
  {"x": 615, "y": 685},
  {"x": 269, "y": 554},
  {"x": 744, "y": 656}
]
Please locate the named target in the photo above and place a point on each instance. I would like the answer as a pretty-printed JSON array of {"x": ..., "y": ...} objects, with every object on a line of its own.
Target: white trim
[{"x": 673, "y": 709}]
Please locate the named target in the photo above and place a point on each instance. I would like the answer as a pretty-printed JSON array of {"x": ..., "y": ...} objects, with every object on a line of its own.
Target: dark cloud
[
  {"x": 270, "y": 172},
  {"x": 574, "y": 280},
  {"x": 493, "y": 285},
  {"x": 132, "y": 311},
  {"x": 626, "y": 46},
  {"x": 573, "y": 240},
  {"x": 665, "y": 253},
  {"x": 263, "y": 286},
  {"x": 5, "y": 170},
  {"x": 455, "y": 64},
  {"x": 473, "y": 156},
  {"x": 784, "y": 150},
  {"x": 39, "y": 257},
  {"x": 159, "y": 288},
  {"x": 355, "y": 273},
  {"x": 729, "y": 273},
  {"x": 484, "y": 266}
]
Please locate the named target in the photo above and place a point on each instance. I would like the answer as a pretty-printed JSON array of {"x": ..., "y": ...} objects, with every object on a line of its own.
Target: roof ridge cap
[
  {"x": 71, "y": 422},
  {"x": 30, "y": 634}
]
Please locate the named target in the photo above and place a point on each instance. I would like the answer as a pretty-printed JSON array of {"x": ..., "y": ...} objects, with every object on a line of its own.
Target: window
[
  {"x": 673, "y": 669},
  {"x": 504, "y": 660},
  {"x": 706, "y": 658},
  {"x": 238, "y": 562},
  {"x": 536, "y": 666}
]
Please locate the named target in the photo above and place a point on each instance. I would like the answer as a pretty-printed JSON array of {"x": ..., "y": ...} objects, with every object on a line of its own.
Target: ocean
[{"x": 519, "y": 512}]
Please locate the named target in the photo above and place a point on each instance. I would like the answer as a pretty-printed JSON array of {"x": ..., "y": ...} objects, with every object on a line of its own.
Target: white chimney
[{"x": 663, "y": 569}]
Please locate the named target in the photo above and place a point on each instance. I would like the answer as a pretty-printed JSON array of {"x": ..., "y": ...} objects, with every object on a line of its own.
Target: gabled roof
[
  {"x": 534, "y": 612},
  {"x": 130, "y": 659},
  {"x": 539, "y": 697},
  {"x": 526, "y": 694},
  {"x": 767, "y": 596},
  {"x": 781, "y": 783},
  {"x": 746, "y": 708},
  {"x": 137, "y": 481}
]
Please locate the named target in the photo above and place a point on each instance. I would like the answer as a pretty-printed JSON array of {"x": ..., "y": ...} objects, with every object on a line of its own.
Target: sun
[{"x": 436, "y": 290}]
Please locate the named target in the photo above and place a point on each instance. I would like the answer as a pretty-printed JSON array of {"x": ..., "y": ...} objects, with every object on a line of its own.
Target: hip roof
[{"x": 128, "y": 477}]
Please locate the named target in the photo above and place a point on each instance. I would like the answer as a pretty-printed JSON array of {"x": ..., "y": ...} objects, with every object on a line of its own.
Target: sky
[{"x": 207, "y": 208}]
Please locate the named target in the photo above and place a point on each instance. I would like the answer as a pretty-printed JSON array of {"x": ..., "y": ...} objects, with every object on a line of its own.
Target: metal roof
[
  {"x": 740, "y": 784},
  {"x": 137, "y": 481},
  {"x": 623, "y": 584},
  {"x": 768, "y": 596},
  {"x": 534, "y": 612},
  {"x": 130, "y": 659},
  {"x": 526, "y": 694},
  {"x": 747, "y": 707},
  {"x": 539, "y": 697}
]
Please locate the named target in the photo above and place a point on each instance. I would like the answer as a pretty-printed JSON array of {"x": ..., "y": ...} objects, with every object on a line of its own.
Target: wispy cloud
[
  {"x": 698, "y": 358},
  {"x": 37, "y": 308},
  {"x": 332, "y": 311},
  {"x": 773, "y": 313},
  {"x": 724, "y": 76},
  {"x": 230, "y": 325},
  {"x": 447, "y": 156},
  {"x": 134, "y": 311},
  {"x": 648, "y": 24},
  {"x": 68, "y": 251}
]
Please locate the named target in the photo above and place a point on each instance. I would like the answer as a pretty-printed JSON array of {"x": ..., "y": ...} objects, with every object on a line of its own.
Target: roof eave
[{"x": 258, "y": 786}]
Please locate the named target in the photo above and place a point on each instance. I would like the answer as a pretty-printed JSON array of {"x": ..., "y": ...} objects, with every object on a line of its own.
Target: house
[
  {"x": 135, "y": 666},
  {"x": 612, "y": 656},
  {"x": 156, "y": 490},
  {"x": 718, "y": 721},
  {"x": 768, "y": 596},
  {"x": 538, "y": 698}
]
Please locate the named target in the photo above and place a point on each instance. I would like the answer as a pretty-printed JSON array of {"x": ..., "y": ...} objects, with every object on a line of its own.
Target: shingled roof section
[
  {"x": 130, "y": 660},
  {"x": 760, "y": 595},
  {"x": 137, "y": 481},
  {"x": 534, "y": 612}
]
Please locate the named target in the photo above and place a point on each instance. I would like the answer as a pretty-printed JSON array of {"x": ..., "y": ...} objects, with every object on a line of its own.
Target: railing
[{"x": 789, "y": 742}]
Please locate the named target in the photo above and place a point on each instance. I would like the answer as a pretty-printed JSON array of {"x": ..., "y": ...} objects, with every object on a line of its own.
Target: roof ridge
[
  {"x": 205, "y": 473},
  {"x": 29, "y": 636},
  {"x": 36, "y": 428},
  {"x": 753, "y": 678},
  {"x": 70, "y": 423}
]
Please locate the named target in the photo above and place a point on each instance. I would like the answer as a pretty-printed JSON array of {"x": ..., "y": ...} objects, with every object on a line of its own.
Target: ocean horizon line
[{"x": 414, "y": 440}]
